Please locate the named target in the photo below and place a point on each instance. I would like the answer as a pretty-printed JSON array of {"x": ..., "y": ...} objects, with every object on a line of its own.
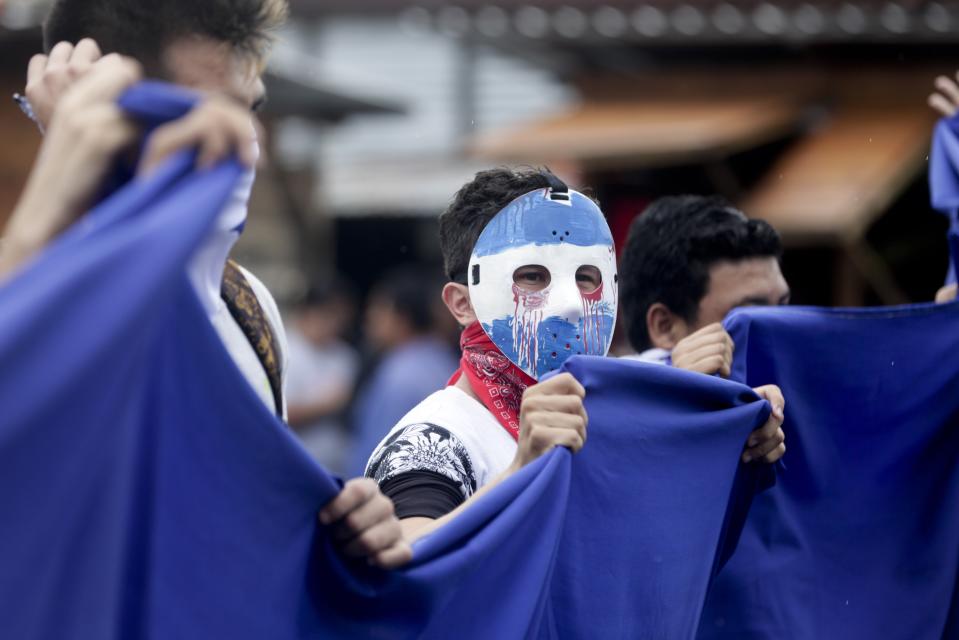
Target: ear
[
  {"x": 456, "y": 297},
  {"x": 665, "y": 328}
]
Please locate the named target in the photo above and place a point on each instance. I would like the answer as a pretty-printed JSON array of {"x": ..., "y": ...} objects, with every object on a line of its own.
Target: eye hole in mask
[
  {"x": 588, "y": 278},
  {"x": 559, "y": 297},
  {"x": 531, "y": 277}
]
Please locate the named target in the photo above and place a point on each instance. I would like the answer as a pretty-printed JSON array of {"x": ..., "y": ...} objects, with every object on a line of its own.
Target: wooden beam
[
  {"x": 835, "y": 182},
  {"x": 645, "y": 133}
]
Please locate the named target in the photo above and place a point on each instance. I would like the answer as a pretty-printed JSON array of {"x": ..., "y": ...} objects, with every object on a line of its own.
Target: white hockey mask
[{"x": 561, "y": 230}]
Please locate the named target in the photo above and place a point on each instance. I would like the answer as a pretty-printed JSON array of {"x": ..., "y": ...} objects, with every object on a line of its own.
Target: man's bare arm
[{"x": 551, "y": 415}]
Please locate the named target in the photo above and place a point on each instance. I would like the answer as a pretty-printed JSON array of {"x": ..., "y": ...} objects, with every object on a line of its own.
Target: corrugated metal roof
[{"x": 675, "y": 21}]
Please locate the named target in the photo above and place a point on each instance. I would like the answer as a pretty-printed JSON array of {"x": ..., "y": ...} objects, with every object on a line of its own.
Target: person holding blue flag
[
  {"x": 689, "y": 260},
  {"x": 218, "y": 51},
  {"x": 493, "y": 419},
  {"x": 533, "y": 281}
]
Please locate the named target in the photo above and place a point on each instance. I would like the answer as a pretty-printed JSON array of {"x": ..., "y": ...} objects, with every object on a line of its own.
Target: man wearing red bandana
[
  {"x": 533, "y": 281},
  {"x": 493, "y": 418}
]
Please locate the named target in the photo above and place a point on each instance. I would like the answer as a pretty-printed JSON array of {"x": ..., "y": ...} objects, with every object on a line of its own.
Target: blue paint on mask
[
  {"x": 555, "y": 340},
  {"x": 535, "y": 219}
]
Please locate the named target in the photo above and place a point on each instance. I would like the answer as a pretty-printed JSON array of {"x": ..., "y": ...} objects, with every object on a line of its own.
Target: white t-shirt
[
  {"x": 449, "y": 433},
  {"x": 658, "y": 356}
]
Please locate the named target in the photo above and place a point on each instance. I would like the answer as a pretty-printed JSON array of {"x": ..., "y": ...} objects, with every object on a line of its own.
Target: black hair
[
  {"x": 412, "y": 291},
  {"x": 474, "y": 205},
  {"x": 142, "y": 30},
  {"x": 671, "y": 247}
]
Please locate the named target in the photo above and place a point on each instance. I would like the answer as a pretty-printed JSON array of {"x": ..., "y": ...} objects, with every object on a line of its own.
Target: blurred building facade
[
  {"x": 382, "y": 181},
  {"x": 811, "y": 115}
]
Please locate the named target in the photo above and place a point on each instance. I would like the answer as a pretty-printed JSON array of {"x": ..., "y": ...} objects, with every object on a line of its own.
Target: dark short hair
[
  {"x": 413, "y": 291},
  {"x": 670, "y": 249},
  {"x": 142, "y": 29},
  {"x": 474, "y": 205}
]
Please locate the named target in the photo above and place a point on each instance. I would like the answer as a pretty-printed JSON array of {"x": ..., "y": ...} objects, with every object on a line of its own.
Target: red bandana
[{"x": 497, "y": 382}]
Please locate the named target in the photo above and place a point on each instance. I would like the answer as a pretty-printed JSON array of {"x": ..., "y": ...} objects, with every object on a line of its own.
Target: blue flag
[
  {"x": 860, "y": 537},
  {"x": 147, "y": 492},
  {"x": 657, "y": 499}
]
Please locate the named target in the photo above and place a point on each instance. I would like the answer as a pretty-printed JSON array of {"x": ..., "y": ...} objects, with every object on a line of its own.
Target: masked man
[{"x": 533, "y": 281}]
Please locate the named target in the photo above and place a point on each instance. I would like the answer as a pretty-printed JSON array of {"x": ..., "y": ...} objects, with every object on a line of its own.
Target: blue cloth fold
[
  {"x": 657, "y": 499},
  {"x": 860, "y": 538}
]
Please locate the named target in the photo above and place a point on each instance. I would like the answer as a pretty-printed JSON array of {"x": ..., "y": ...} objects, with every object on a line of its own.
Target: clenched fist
[
  {"x": 709, "y": 351},
  {"x": 551, "y": 415},
  {"x": 364, "y": 525},
  {"x": 767, "y": 443}
]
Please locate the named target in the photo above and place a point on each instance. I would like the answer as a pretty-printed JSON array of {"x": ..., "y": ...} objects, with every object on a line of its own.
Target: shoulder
[
  {"x": 450, "y": 426},
  {"x": 452, "y": 409},
  {"x": 424, "y": 447}
]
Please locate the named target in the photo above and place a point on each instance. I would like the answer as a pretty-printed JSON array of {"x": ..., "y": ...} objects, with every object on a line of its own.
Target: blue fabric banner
[
  {"x": 146, "y": 491},
  {"x": 860, "y": 537},
  {"x": 657, "y": 498}
]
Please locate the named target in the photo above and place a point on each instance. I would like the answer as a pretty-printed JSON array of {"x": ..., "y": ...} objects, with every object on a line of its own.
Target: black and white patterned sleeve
[{"x": 421, "y": 448}]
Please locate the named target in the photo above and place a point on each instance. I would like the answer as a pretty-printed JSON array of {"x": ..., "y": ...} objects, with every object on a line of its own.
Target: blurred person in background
[
  {"x": 322, "y": 371},
  {"x": 413, "y": 358},
  {"x": 945, "y": 100}
]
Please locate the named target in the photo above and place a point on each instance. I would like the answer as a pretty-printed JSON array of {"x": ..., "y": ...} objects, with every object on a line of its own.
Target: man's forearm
[
  {"x": 12, "y": 254},
  {"x": 31, "y": 227},
  {"x": 416, "y": 527}
]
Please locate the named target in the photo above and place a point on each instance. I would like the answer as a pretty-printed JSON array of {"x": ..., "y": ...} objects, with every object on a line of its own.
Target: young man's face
[
  {"x": 214, "y": 67},
  {"x": 741, "y": 283}
]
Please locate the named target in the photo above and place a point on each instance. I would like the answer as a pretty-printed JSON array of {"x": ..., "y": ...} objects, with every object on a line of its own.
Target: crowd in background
[{"x": 357, "y": 366}]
